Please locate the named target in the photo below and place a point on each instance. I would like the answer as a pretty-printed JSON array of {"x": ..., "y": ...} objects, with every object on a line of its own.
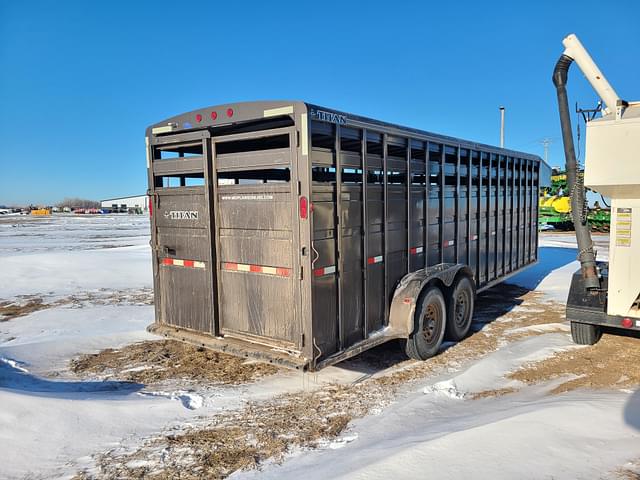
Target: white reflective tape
[
  {"x": 274, "y": 112},
  {"x": 243, "y": 268},
  {"x": 304, "y": 141},
  {"x": 331, "y": 269},
  {"x": 269, "y": 270},
  {"x": 198, "y": 264},
  {"x": 179, "y": 263},
  {"x": 146, "y": 142},
  {"x": 419, "y": 249},
  {"x": 377, "y": 259},
  {"x": 163, "y": 129}
]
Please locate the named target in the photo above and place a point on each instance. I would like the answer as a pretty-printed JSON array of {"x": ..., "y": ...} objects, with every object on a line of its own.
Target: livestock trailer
[{"x": 302, "y": 235}]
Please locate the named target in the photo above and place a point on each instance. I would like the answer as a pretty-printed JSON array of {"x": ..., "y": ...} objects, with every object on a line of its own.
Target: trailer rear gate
[{"x": 283, "y": 229}]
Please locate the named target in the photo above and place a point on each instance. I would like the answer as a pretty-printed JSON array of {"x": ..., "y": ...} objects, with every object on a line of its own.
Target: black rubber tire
[
  {"x": 585, "y": 333},
  {"x": 460, "y": 309},
  {"x": 430, "y": 321}
]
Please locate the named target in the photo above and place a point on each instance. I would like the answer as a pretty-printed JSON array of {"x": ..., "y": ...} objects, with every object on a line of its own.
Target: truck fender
[{"x": 407, "y": 293}]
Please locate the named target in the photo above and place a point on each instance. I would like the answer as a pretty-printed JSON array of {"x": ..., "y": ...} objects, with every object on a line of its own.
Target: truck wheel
[
  {"x": 460, "y": 309},
  {"x": 585, "y": 333},
  {"x": 431, "y": 315}
]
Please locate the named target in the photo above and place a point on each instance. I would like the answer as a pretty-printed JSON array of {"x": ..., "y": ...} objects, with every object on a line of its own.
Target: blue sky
[{"x": 80, "y": 81}]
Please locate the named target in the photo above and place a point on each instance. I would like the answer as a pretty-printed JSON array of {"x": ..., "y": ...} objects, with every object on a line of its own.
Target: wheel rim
[
  {"x": 431, "y": 321},
  {"x": 461, "y": 309}
]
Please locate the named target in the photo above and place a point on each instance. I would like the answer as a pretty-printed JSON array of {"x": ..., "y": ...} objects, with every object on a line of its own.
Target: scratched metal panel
[
  {"x": 325, "y": 314},
  {"x": 271, "y": 248},
  {"x": 185, "y": 243},
  {"x": 258, "y": 304},
  {"x": 170, "y": 206},
  {"x": 183, "y": 301},
  {"x": 253, "y": 208}
]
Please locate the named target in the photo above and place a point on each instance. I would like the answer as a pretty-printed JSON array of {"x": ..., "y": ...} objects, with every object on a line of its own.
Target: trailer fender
[{"x": 406, "y": 294}]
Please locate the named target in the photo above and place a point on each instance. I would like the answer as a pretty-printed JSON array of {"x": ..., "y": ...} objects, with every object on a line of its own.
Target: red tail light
[
  {"x": 304, "y": 208},
  {"x": 214, "y": 115},
  {"x": 626, "y": 323},
  {"x": 229, "y": 112},
  {"x": 198, "y": 118}
]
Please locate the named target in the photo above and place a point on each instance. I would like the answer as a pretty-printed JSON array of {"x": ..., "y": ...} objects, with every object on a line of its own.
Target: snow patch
[{"x": 189, "y": 400}]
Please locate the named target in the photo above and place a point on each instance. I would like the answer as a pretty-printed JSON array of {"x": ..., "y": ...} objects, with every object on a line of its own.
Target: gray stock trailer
[{"x": 301, "y": 235}]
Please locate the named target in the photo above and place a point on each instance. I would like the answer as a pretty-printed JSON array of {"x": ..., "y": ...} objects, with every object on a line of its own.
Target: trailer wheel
[
  {"x": 430, "y": 321},
  {"x": 585, "y": 333},
  {"x": 460, "y": 309}
]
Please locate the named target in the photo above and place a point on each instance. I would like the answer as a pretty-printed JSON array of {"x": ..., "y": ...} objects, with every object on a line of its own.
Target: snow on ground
[{"x": 52, "y": 422}]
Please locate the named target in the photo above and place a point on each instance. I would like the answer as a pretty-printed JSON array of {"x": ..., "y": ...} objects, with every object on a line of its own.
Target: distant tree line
[{"x": 78, "y": 203}]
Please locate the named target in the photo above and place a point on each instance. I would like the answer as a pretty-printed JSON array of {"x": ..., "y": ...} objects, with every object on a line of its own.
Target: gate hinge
[
  {"x": 297, "y": 138},
  {"x": 302, "y": 340},
  {"x": 301, "y": 275}
]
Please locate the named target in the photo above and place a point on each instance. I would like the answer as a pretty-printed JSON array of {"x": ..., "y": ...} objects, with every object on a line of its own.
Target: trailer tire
[
  {"x": 430, "y": 320},
  {"x": 585, "y": 333},
  {"x": 460, "y": 309}
]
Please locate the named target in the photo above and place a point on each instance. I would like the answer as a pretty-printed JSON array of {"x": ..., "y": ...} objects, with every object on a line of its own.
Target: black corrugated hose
[{"x": 586, "y": 255}]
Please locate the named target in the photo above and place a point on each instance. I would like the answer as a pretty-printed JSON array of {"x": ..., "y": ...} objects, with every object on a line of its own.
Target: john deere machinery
[{"x": 555, "y": 207}]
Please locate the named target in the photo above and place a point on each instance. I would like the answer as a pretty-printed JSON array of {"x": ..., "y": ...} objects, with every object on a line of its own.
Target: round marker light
[
  {"x": 627, "y": 323},
  {"x": 198, "y": 118},
  {"x": 229, "y": 112},
  {"x": 214, "y": 115}
]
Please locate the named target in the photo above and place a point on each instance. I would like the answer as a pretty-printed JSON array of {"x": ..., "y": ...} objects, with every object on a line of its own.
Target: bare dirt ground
[
  {"x": 614, "y": 362},
  {"x": 157, "y": 361},
  {"x": 268, "y": 430}
]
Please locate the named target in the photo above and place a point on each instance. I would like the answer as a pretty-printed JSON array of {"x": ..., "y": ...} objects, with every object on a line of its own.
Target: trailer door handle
[{"x": 168, "y": 250}]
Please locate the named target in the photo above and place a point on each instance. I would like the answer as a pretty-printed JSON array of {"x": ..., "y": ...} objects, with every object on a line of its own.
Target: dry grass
[
  {"x": 614, "y": 362},
  {"x": 157, "y": 361},
  {"x": 245, "y": 438},
  {"x": 11, "y": 310},
  {"x": 498, "y": 392},
  {"x": 27, "y": 304}
]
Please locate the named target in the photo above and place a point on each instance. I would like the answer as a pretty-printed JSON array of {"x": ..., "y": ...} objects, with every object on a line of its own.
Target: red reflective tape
[
  {"x": 413, "y": 251},
  {"x": 255, "y": 268},
  {"x": 376, "y": 259},
  {"x": 371, "y": 260},
  {"x": 283, "y": 272},
  {"x": 188, "y": 263},
  {"x": 167, "y": 261},
  {"x": 230, "y": 266},
  {"x": 318, "y": 272}
]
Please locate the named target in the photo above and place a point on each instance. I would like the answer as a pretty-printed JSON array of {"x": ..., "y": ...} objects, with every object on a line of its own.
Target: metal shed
[{"x": 303, "y": 235}]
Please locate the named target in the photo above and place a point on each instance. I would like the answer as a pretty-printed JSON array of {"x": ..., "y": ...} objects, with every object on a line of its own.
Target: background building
[{"x": 124, "y": 204}]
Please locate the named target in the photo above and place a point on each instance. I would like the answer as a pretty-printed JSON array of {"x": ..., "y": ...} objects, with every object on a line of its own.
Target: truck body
[{"x": 302, "y": 235}]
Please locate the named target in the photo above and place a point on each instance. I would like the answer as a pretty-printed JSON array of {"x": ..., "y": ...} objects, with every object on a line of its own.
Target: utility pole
[
  {"x": 545, "y": 143},
  {"x": 501, "y": 127}
]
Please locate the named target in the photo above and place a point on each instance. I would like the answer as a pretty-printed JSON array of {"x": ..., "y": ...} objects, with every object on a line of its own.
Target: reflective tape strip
[
  {"x": 415, "y": 250},
  {"x": 474, "y": 237},
  {"x": 372, "y": 260},
  {"x": 177, "y": 262},
  {"x": 448, "y": 243},
  {"x": 319, "y": 272},
  {"x": 274, "y": 112},
  {"x": 243, "y": 267}
]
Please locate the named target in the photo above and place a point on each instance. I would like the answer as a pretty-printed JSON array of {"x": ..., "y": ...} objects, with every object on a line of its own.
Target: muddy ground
[{"x": 258, "y": 431}]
